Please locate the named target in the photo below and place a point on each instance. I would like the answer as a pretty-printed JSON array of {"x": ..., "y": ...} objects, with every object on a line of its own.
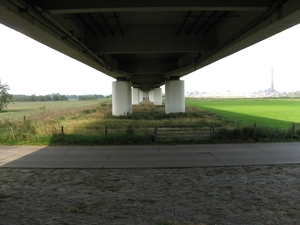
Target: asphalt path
[{"x": 153, "y": 156}]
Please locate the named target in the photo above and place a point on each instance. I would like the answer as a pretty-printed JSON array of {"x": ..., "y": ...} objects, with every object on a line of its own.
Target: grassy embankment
[{"x": 84, "y": 122}]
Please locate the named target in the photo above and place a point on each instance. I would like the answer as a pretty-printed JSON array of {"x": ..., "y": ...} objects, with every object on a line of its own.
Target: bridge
[{"x": 149, "y": 43}]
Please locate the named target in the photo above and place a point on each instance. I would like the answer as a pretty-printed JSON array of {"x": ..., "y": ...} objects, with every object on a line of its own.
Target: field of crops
[{"x": 280, "y": 113}]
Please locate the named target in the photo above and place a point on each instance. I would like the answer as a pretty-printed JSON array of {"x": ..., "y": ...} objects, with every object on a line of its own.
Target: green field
[{"x": 275, "y": 113}]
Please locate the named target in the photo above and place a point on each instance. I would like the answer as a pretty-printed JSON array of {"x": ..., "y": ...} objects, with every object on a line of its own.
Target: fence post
[
  {"x": 254, "y": 131},
  {"x": 62, "y": 131},
  {"x": 212, "y": 130},
  {"x": 12, "y": 133},
  {"x": 294, "y": 129},
  {"x": 105, "y": 132},
  {"x": 155, "y": 134}
]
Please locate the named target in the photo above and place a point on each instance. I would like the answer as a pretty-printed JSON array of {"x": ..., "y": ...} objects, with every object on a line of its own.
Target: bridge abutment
[
  {"x": 121, "y": 98},
  {"x": 174, "y": 96}
]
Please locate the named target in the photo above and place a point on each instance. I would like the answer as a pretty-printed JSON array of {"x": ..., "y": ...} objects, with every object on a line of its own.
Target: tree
[{"x": 5, "y": 98}]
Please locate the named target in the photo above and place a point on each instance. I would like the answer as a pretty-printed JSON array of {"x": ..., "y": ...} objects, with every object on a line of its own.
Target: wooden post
[
  {"x": 212, "y": 130},
  {"x": 254, "y": 131},
  {"x": 155, "y": 134},
  {"x": 12, "y": 133},
  {"x": 24, "y": 118},
  {"x": 62, "y": 131},
  {"x": 294, "y": 129},
  {"x": 105, "y": 132}
]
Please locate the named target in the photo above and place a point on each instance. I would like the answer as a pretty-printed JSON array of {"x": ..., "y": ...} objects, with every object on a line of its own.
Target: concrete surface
[{"x": 149, "y": 156}]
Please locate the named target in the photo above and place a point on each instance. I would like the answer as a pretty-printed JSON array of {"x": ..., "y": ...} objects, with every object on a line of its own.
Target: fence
[
  {"x": 159, "y": 133},
  {"x": 183, "y": 132}
]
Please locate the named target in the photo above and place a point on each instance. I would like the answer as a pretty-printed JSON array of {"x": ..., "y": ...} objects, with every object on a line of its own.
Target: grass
[
  {"x": 274, "y": 113},
  {"x": 17, "y": 110},
  {"x": 84, "y": 122}
]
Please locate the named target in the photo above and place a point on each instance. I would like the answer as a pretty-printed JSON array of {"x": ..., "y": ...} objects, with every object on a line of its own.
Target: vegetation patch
[
  {"x": 92, "y": 123},
  {"x": 2, "y": 196},
  {"x": 272, "y": 113},
  {"x": 80, "y": 207}
]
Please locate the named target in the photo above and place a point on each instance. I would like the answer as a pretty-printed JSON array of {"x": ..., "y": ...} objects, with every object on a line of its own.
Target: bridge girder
[{"x": 147, "y": 42}]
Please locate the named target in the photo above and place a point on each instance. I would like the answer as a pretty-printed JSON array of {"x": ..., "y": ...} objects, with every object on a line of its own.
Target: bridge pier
[
  {"x": 174, "y": 98},
  {"x": 157, "y": 96},
  {"x": 145, "y": 95},
  {"x": 135, "y": 96},
  {"x": 151, "y": 96},
  {"x": 121, "y": 98},
  {"x": 141, "y": 95}
]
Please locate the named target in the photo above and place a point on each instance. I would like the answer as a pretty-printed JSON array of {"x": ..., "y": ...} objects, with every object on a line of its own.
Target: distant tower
[{"x": 272, "y": 80}]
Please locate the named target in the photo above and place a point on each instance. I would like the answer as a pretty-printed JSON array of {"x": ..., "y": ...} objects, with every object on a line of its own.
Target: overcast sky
[{"x": 29, "y": 67}]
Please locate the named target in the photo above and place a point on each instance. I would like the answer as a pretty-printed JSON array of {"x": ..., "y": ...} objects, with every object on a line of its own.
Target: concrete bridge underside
[{"x": 146, "y": 44}]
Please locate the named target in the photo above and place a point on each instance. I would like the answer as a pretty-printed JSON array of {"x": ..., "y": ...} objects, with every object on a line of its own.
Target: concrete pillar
[
  {"x": 157, "y": 96},
  {"x": 174, "y": 96},
  {"x": 151, "y": 96},
  {"x": 135, "y": 96},
  {"x": 121, "y": 98},
  {"x": 146, "y": 95},
  {"x": 141, "y": 95}
]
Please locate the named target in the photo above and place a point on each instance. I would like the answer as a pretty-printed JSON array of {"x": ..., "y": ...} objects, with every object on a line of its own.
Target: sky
[{"x": 29, "y": 67}]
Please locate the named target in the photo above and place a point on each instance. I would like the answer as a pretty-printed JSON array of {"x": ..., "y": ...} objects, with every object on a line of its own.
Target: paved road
[{"x": 149, "y": 156}]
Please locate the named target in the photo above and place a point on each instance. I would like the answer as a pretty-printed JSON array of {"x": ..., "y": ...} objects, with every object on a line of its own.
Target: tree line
[{"x": 54, "y": 97}]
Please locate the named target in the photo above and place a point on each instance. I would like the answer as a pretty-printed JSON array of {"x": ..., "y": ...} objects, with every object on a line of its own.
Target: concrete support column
[
  {"x": 174, "y": 96},
  {"x": 121, "y": 98},
  {"x": 135, "y": 96},
  {"x": 151, "y": 96},
  {"x": 157, "y": 96},
  {"x": 141, "y": 96},
  {"x": 146, "y": 95}
]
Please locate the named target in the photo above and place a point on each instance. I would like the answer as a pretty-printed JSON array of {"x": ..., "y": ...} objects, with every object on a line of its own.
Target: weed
[
  {"x": 229, "y": 187},
  {"x": 2, "y": 196},
  {"x": 163, "y": 223},
  {"x": 97, "y": 203},
  {"x": 5, "y": 181},
  {"x": 148, "y": 200},
  {"x": 115, "y": 216},
  {"x": 80, "y": 207},
  {"x": 174, "y": 222}
]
